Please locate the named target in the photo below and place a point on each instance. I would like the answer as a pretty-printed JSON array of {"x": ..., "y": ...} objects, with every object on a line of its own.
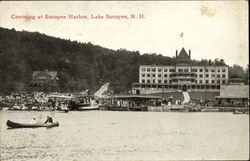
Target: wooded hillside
[{"x": 79, "y": 65}]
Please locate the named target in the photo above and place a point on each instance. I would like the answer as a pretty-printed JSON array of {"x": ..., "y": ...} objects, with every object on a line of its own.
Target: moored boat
[
  {"x": 21, "y": 125},
  {"x": 176, "y": 108},
  {"x": 210, "y": 110},
  {"x": 240, "y": 112},
  {"x": 86, "y": 108},
  {"x": 92, "y": 105}
]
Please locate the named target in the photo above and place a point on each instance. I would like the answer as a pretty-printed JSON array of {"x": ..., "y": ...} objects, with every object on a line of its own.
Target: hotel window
[
  {"x": 143, "y": 75},
  {"x": 148, "y": 69},
  {"x": 148, "y": 80},
  {"x": 213, "y": 81},
  {"x": 186, "y": 70},
  {"x": 223, "y": 75},
  {"x": 165, "y": 69},
  {"x": 207, "y": 75},
  {"x": 200, "y": 75},
  {"x": 159, "y": 75},
  {"x": 206, "y": 70},
  {"x": 143, "y": 69},
  {"x": 223, "y": 70},
  {"x": 200, "y": 81},
  {"x": 213, "y": 70},
  {"x": 159, "y": 81},
  {"x": 143, "y": 80},
  {"x": 159, "y": 69},
  {"x": 165, "y": 75},
  {"x": 180, "y": 70},
  {"x": 153, "y": 75},
  {"x": 212, "y": 75},
  {"x": 218, "y": 70},
  {"x": 148, "y": 75},
  {"x": 172, "y": 70},
  {"x": 153, "y": 81},
  {"x": 165, "y": 81},
  {"x": 218, "y": 75},
  {"x": 201, "y": 70},
  {"x": 153, "y": 69},
  {"x": 218, "y": 81},
  {"x": 207, "y": 81},
  {"x": 223, "y": 82}
]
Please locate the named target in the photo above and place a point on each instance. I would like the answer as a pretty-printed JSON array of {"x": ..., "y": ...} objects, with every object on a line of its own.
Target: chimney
[
  {"x": 176, "y": 53},
  {"x": 189, "y": 54}
]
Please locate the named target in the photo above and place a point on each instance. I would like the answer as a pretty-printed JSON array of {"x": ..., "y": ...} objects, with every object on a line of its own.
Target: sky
[{"x": 211, "y": 29}]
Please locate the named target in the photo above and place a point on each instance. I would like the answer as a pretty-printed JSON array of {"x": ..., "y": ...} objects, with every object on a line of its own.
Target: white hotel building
[{"x": 182, "y": 76}]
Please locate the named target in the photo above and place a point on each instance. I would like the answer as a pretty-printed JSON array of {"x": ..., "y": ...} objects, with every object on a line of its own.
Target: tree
[
  {"x": 63, "y": 79},
  {"x": 79, "y": 65},
  {"x": 222, "y": 62},
  {"x": 236, "y": 71}
]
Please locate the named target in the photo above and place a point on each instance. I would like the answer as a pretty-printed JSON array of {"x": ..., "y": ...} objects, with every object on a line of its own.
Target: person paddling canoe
[{"x": 49, "y": 120}]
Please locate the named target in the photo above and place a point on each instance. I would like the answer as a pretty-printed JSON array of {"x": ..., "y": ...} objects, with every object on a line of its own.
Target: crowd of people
[{"x": 35, "y": 101}]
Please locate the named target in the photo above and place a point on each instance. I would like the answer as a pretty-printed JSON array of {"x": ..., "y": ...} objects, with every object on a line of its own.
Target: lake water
[{"x": 109, "y": 135}]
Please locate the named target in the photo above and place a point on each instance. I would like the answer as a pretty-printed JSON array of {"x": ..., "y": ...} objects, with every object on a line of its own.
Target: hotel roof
[{"x": 183, "y": 55}]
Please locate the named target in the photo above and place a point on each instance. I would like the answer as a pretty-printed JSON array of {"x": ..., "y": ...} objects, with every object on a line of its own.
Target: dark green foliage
[
  {"x": 80, "y": 66},
  {"x": 216, "y": 62},
  {"x": 237, "y": 71}
]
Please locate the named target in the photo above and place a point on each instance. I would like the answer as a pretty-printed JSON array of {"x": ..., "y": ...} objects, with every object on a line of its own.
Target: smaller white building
[{"x": 233, "y": 95}]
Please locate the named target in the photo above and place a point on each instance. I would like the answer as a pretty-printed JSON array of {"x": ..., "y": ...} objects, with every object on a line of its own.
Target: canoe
[{"x": 21, "y": 125}]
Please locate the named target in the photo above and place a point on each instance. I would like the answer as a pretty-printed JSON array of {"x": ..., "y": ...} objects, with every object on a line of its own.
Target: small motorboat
[
  {"x": 88, "y": 108},
  {"x": 21, "y": 125},
  {"x": 210, "y": 110},
  {"x": 239, "y": 112}
]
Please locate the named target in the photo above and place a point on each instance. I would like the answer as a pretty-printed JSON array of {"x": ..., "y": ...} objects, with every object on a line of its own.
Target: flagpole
[
  {"x": 182, "y": 36},
  {"x": 182, "y": 41}
]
